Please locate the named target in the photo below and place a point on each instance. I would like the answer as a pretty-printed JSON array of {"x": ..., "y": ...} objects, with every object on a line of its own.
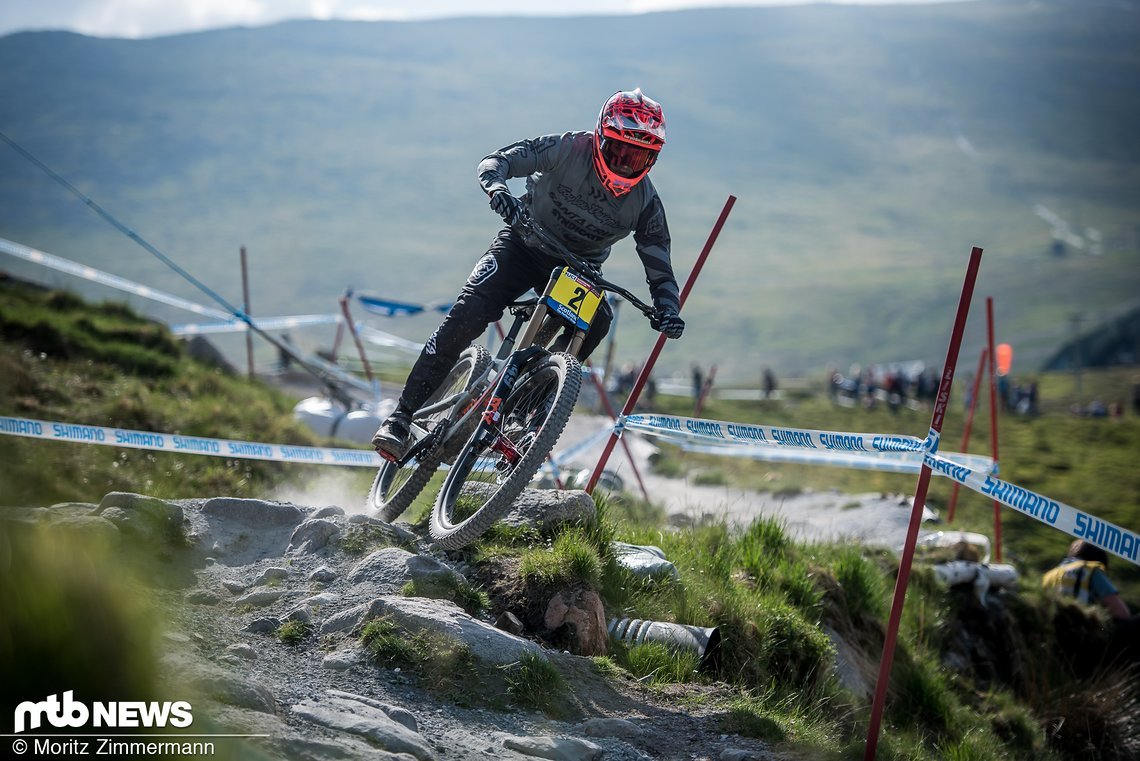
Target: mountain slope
[{"x": 869, "y": 148}]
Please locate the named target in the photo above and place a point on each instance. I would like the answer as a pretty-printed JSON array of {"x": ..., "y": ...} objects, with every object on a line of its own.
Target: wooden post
[{"x": 245, "y": 308}]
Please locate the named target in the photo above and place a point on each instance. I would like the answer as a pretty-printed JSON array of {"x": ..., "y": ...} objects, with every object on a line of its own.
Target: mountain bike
[{"x": 494, "y": 421}]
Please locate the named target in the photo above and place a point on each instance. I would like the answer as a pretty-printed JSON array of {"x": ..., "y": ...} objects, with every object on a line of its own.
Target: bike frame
[{"x": 498, "y": 380}]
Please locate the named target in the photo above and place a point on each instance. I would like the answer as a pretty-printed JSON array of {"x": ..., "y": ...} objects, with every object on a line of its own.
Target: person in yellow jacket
[{"x": 1083, "y": 575}]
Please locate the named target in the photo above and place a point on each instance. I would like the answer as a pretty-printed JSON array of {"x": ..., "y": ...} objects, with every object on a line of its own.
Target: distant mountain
[
  {"x": 869, "y": 147},
  {"x": 1115, "y": 342}
]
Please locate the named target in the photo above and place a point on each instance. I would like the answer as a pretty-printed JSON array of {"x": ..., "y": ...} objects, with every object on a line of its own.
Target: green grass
[
  {"x": 449, "y": 587},
  {"x": 772, "y": 598},
  {"x": 570, "y": 559},
  {"x": 1083, "y": 462},
  {"x": 293, "y": 632},
  {"x": 656, "y": 663},
  {"x": 63, "y": 360},
  {"x": 535, "y": 683}
]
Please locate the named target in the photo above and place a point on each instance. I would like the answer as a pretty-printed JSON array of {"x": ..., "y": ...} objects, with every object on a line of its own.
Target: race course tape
[
  {"x": 702, "y": 431},
  {"x": 165, "y": 442},
  {"x": 93, "y": 275},
  {"x": 1071, "y": 520},
  {"x": 879, "y": 452}
]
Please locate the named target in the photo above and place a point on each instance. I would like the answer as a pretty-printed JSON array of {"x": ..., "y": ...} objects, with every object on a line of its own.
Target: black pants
[{"x": 508, "y": 270}]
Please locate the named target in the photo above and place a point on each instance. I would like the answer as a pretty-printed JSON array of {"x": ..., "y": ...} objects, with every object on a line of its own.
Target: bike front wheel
[
  {"x": 396, "y": 487},
  {"x": 487, "y": 477}
]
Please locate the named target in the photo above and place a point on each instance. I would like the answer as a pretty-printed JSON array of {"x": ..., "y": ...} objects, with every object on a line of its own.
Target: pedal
[{"x": 387, "y": 456}]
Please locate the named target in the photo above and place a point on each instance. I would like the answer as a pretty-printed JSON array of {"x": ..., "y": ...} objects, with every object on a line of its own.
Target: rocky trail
[
  {"x": 267, "y": 601},
  {"x": 251, "y": 567}
]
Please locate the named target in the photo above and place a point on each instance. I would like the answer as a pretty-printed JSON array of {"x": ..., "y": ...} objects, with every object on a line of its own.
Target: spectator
[
  {"x": 698, "y": 381},
  {"x": 769, "y": 383},
  {"x": 1083, "y": 576},
  {"x": 1004, "y": 392}
]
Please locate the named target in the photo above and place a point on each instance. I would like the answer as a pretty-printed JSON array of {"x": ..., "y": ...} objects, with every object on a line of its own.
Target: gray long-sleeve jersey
[{"x": 565, "y": 196}]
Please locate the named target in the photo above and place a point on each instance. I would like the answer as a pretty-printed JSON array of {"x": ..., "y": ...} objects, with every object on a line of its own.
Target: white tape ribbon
[
  {"x": 165, "y": 442},
  {"x": 777, "y": 444},
  {"x": 724, "y": 433},
  {"x": 1071, "y": 520},
  {"x": 901, "y": 454},
  {"x": 105, "y": 278},
  {"x": 262, "y": 323}
]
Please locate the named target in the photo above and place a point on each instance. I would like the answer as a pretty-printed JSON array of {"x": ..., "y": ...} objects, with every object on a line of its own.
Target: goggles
[{"x": 626, "y": 159}]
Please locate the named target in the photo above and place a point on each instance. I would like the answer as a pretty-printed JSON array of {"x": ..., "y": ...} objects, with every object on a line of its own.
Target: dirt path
[{"x": 815, "y": 516}]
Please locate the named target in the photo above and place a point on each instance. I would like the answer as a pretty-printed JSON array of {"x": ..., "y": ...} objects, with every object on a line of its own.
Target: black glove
[
  {"x": 506, "y": 206},
  {"x": 668, "y": 322}
]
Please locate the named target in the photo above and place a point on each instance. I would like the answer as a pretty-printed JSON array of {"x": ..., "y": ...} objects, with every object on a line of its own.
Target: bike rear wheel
[
  {"x": 533, "y": 417},
  {"x": 396, "y": 487}
]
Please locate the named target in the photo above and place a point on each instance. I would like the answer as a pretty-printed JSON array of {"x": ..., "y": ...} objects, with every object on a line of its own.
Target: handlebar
[{"x": 535, "y": 236}]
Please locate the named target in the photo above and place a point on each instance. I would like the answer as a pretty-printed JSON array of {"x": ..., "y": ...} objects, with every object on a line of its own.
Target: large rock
[
  {"x": 580, "y": 610},
  {"x": 546, "y": 510},
  {"x": 554, "y": 748},
  {"x": 486, "y": 642},
  {"x": 312, "y": 535},
  {"x": 240, "y": 532},
  {"x": 350, "y": 714},
  {"x": 142, "y": 517},
  {"x": 388, "y": 569},
  {"x": 253, "y": 512}
]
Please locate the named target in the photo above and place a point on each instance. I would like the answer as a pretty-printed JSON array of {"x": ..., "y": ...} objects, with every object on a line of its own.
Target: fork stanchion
[
  {"x": 936, "y": 421},
  {"x": 647, "y": 368}
]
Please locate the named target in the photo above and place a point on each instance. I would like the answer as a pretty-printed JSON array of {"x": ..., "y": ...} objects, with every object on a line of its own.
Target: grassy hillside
[
  {"x": 64, "y": 360},
  {"x": 869, "y": 148},
  {"x": 1083, "y": 461},
  {"x": 961, "y": 688}
]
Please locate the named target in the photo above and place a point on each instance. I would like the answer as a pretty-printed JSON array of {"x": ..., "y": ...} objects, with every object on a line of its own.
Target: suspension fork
[{"x": 486, "y": 433}]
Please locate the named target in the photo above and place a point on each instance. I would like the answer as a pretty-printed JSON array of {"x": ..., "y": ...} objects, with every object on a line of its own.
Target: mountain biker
[{"x": 588, "y": 190}]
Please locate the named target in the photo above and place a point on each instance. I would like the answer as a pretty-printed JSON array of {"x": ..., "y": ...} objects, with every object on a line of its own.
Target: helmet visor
[{"x": 626, "y": 159}]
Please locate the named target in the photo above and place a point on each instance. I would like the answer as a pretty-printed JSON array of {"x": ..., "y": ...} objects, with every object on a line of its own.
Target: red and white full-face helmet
[{"x": 629, "y": 135}]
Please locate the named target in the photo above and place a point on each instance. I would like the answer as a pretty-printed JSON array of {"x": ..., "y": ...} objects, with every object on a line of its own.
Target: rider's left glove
[
  {"x": 668, "y": 322},
  {"x": 506, "y": 206}
]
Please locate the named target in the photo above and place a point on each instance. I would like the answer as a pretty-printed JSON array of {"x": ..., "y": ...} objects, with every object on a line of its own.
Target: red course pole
[
  {"x": 969, "y": 425},
  {"x": 993, "y": 421},
  {"x": 936, "y": 422},
  {"x": 609, "y": 407},
  {"x": 648, "y": 366}
]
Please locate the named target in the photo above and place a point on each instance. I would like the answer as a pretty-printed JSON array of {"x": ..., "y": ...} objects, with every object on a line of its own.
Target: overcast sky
[{"x": 150, "y": 18}]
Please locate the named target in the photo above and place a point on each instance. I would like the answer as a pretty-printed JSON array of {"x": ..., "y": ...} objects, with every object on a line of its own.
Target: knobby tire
[
  {"x": 395, "y": 488},
  {"x": 557, "y": 376}
]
